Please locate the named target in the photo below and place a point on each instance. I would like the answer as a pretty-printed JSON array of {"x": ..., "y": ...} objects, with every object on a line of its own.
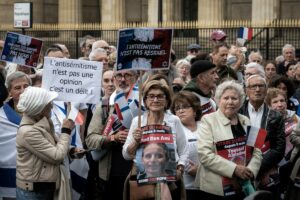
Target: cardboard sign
[
  {"x": 144, "y": 49},
  {"x": 21, "y": 49},
  {"x": 74, "y": 80},
  {"x": 23, "y": 15},
  {"x": 155, "y": 158},
  {"x": 238, "y": 152}
]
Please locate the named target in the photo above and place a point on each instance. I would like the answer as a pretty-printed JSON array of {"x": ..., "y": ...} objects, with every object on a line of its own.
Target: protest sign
[
  {"x": 155, "y": 158},
  {"x": 21, "y": 49},
  {"x": 23, "y": 15},
  {"x": 236, "y": 151},
  {"x": 144, "y": 49},
  {"x": 74, "y": 80}
]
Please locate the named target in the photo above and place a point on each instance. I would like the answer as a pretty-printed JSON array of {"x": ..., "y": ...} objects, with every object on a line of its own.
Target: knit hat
[
  {"x": 200, "y": 66},
  {"x": 34, "y": 99}
]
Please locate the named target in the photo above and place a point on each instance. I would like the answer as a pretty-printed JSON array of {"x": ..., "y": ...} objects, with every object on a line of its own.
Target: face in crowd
[
  {"x": 124, "y": 80},
  {"x": 220, "y": 57},
  {"x": 256, "y": 89},
  {"x": 108, "y": 83},
  {"x": 270, "y": 70},
  {"x": 154, "y": 159}
]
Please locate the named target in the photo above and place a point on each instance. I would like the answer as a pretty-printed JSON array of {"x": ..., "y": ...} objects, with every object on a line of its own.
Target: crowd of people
[{"x": 206, "y": 98}]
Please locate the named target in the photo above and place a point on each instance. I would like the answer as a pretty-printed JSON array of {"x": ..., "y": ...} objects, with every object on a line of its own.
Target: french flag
[
  {"x": 75, "y": 114},
  {"x": 245, "y": 33},
  {"x": 256, "y": 137}
]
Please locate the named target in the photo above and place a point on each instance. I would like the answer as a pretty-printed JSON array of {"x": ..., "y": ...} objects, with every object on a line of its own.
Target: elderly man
[
  {"x": 252, "y": 69},
  {"x": 64, "y": 50},
  {"x": 54, "y": 51},
  {"x": 288, "y": 52},
  {"x": 255, "y": 57},
  {"x": 101, "y": 44},
  {"x": 113, "y": 168},
  {"x": 219, "y": 58},
  {"x": 100, "y": 55},
  {"x": 263, "y": 117},
  {"x": 10, "y": 119},
  {"x": 86, "y": 45},
  {"x": 204, "y": 81}
]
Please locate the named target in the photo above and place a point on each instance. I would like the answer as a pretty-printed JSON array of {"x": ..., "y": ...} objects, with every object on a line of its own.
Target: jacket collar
[
  {"x": 192, "y": 86},
  {"x": 43, "y": 123},
  {"x": 226, "y": 121}
]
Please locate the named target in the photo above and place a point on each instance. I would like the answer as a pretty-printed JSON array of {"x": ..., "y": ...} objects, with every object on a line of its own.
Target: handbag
[{"x": 137, "y": 192}]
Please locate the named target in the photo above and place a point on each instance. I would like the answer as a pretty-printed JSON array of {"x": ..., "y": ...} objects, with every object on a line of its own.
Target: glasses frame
[
  {"x": 160, "y": 97},
  {"x": 126, "y": 77}
]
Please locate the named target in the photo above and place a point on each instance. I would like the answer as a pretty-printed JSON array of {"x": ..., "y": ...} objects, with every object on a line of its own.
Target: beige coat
[
  {"x": 95, "y": 140},
  {"x": 38, "y": 154},
  {"x": 216, "y": 127}
]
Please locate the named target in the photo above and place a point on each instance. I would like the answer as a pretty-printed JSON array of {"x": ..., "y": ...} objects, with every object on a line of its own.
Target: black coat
[{"x": 273, "y": 122}]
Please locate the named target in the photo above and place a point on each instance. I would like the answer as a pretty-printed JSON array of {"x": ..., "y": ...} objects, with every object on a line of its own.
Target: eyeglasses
[
  {"x": 159, "y": 97},
  {"x": 259, "y": 86},
  {"x": 257, "y": 61},
  {"x": 183, "y": 107},
  {"x": 126, "y": 76}
]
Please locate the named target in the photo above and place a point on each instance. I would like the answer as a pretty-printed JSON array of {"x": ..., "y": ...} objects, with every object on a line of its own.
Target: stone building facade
[{"x": 111, "y": 11}]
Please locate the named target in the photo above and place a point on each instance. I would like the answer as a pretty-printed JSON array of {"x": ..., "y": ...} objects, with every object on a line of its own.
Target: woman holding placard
[
  {"x": 157, "y": 100},
  {"x": 222, "y": 147}
]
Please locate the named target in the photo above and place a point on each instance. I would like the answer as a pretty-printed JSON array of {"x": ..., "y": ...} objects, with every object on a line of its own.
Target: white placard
[
  {"x": 74, "y": 80},
  {"x": 22, "y": 15}
]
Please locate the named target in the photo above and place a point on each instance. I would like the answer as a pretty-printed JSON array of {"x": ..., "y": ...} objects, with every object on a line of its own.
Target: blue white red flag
[
  {"x": 256, "y": 137},
  {"x": 245, "y": 33}
]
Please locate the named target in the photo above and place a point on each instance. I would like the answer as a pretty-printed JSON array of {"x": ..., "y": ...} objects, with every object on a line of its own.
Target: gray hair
[
  {"x": 255, "y": 54},
  {"x": 96, "y": 51},
  {"x": 258, "y": 67},
  {"x": 255, "y": 76},
  {"x": 13, "y": 76},
  {"x": 183, "y": 62},
  {"x": 230, "y": 85},
  {"x": 288, "y": 46}
]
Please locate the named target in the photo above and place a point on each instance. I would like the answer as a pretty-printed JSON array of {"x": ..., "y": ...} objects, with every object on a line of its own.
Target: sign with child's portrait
[{"x": 155, "y": 158}]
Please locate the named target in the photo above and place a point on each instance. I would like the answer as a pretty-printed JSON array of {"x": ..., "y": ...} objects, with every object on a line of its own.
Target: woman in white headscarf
[{"x": 39, "y": 152}]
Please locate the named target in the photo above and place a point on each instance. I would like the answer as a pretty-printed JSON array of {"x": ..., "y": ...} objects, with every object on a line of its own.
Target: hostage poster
[
  {"x": 155, "y": 158},
  {"x": 21, "y": 49},
  {"x": 236, "y": 151},
  {"x": 144, "y": 49}
]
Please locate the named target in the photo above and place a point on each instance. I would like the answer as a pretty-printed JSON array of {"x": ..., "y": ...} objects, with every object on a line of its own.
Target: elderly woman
[
  {"x": 219, "y": 131},
  {"x": 40, "y": 153},
  {"x": 287, "y": 86},
  {"x": 157, "y": 100},
  {"x": 277, "y": 100},
  {"x": 183, "y": 69},
  {"x": 186, "y": 106},
  {"x": 10, "y": 118}
]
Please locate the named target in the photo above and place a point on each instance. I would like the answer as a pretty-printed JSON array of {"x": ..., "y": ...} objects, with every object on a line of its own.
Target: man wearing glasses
[
  {"x": 262, "y": 117},
  {"x": 113, "y": 168}
]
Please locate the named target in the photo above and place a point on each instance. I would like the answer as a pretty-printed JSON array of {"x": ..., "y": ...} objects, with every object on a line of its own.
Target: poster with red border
[
  {"x": 236, "y": 151},
  {"x": 155, "y": 158}
]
